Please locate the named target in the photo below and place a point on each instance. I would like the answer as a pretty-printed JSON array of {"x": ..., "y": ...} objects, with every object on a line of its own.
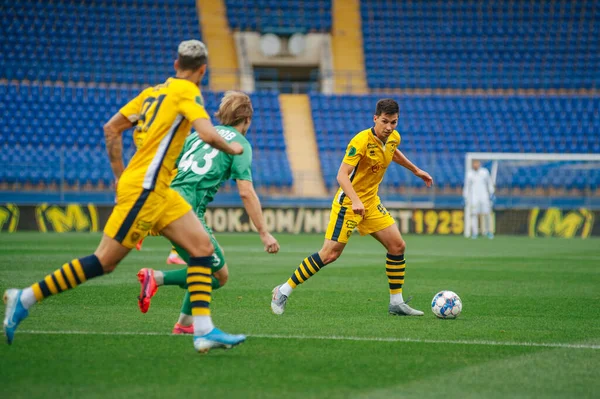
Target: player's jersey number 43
[{"x": 187, "y": 160}]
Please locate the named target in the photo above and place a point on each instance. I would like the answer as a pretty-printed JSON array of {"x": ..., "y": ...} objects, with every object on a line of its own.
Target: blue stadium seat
[
  {"x": 462, "y": 44},
  {"x": 64, "y": 136},
  {"x": 280, "y": 16},
  {"x": 123, "y": 42}
]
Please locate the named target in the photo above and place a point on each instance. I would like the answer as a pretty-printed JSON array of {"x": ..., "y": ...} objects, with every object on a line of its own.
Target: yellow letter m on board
[
  {"x": 61, "y": 219},
  {"x": 554, "y": 223}
]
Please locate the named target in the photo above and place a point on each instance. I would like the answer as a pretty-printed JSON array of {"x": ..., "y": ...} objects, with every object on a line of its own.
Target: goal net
[{"x": 532, "y": 180}]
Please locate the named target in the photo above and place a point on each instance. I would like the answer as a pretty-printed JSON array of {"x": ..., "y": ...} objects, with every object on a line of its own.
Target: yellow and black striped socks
[
  {"x": 69, "y": 276},
  {"x": 395, "y": 267},
  {"x": 306, "y": 270},
  {"x": 199, "y": 284}
]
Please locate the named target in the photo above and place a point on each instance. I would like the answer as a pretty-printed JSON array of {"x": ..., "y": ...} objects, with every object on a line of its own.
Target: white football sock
[
  {"x": 396, "y": 299},
  {"x": 185, "y": 319},
  {"x": 28, "y": 298},
  {"x": 286, "y": 289},
  {"x": 474, "y": 225},
  {"x": 487, "y": 223},
  {"x": 202, "y": 325},
  {"x": 159, "y": 277}
]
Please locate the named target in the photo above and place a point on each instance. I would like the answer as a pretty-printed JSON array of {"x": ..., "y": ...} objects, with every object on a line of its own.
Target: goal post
[{"x": 505, "y": 168}]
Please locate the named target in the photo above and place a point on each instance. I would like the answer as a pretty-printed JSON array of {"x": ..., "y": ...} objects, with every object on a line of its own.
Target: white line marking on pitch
[{"x": 338, "y": 338}]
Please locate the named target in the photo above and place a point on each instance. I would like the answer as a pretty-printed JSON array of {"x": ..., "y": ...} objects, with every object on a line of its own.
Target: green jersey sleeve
[{"x": 241, "y": 167}]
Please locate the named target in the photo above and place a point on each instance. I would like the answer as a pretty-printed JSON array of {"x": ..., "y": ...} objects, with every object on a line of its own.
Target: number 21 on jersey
[
  {"x": 187, "y": 160},
  {"x": 150, "y": 108}
]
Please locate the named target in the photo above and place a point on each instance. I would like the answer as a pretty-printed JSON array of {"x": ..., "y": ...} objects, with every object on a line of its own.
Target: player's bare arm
[
  {"x": 209, "y": 135},
  {"x": 113, "y": 136},
  {"x": 402, "y": 160},
  {"x": 254, "y": 209},
  {"x": 343, "y": 178}
]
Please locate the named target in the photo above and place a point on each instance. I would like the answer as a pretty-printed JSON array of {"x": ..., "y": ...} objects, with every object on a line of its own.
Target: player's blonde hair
[{"x": 235, "y": 107}]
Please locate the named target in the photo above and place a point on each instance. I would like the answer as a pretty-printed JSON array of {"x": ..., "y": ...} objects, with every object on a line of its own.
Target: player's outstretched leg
[
  {"x": 395, "y": 268},
  {"x": 219, "y": 278},
  {"x": 206, "y": 335},
  {"x": 330, "y": 251},
  {"x": 188, "y": 232},
  {"x": 309, "y": 266},
  {"x": 70, "y": 275}
]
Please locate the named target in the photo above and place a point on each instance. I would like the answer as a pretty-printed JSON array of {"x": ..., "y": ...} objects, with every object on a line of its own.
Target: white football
[{"x": 446, "y": 305}]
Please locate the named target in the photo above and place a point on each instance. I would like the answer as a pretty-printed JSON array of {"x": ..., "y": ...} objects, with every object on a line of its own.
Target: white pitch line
[
  {"x": 336, "y": 338},
  {"x": 434, "y": 341}
]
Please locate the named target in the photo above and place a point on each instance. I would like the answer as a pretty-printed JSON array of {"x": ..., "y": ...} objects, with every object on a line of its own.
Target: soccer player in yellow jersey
[
  {"x": 357, "y": 205},
  {"x": 164, "y": 114}
]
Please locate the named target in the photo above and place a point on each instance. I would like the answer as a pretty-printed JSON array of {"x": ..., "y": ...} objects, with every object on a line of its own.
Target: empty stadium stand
[
  {"x": 53, "y": 132},
  {"x": 438, "y": 130},
  {"x": 280, "y": 16},
  {"x": 493, "y": 44},
  {"x": 94, "y": 41}
]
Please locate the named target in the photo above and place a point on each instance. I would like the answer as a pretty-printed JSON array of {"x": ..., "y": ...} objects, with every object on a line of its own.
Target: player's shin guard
[
  {"x": 69, "y": 276},
  {"x": 395, "y": 267},
  {"x": 306, "y": 270},
  {"x": 200, "y": 284}
]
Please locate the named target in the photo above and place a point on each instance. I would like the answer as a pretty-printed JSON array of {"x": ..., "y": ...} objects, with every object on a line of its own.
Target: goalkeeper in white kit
[{"x": 479, "y": 194}]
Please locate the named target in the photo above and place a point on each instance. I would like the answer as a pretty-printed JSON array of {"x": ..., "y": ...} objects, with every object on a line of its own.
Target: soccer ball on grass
[{"x": 446, "y": 305}]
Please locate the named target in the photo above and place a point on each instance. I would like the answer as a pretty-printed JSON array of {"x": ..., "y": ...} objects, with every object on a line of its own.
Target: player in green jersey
[{"x": 201, "y": 170}]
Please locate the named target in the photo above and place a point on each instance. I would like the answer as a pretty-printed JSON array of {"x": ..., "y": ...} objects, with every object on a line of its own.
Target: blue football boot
[
  {"x": 14, "y": 314},
  {"x": 217, "y": 339}
]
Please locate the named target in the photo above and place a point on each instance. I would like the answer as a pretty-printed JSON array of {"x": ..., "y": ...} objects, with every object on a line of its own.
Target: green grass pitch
[{"x": 530, "y": 325}]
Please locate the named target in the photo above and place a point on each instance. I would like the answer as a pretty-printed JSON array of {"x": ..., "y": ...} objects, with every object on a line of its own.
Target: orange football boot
[
  {"x": 148, "y": 288},
  {"x": 175, "y": 259},
  {"x": 180, "y": 329}
]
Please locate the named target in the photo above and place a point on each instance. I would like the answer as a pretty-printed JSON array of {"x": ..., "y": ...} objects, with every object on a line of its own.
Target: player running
[
  {"x": 478, "y": 194},
  {"x": 201, "y": 172},
  {"x": 357, "y": 205},
  {"x": 165, "y": 113}
]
